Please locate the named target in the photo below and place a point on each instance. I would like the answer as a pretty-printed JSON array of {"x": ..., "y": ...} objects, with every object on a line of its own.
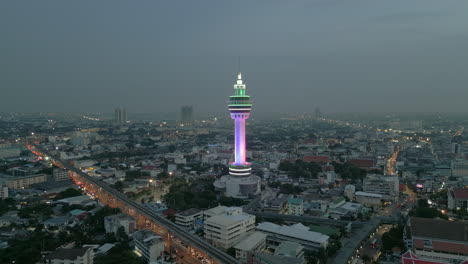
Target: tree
[
  {"x": 393, "y": 238},
  {"x": 70, "y": 192},
  {"x": 119, "y": 186},
  {"x": 231, "y": 251}
]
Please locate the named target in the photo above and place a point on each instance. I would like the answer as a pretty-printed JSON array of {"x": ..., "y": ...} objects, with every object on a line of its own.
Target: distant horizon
[{"x": 154, "y": 56}]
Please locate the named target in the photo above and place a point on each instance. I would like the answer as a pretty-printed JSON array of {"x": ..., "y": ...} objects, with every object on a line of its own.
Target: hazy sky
[{"x": 150, "y": 56}]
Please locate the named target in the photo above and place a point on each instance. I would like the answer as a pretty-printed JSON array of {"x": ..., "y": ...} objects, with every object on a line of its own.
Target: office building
[
  {"x": 186, "y": 114},
  {"x": 240, "y": 183},
  {"x": 120, "y": 116},
  {"x": 226, "y": 229},
  {"x": 387, "y": 186},
  {"x": 148, "y": 245}
]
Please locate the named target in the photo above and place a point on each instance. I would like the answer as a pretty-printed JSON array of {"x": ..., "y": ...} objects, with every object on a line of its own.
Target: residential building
[
  {"x": 254, "y": 242},
  {"x": 226, "y": 229},
  {"x": 298, "y": 233},
  {"x": 60, "y": 174},
  {"x": 190, "y": 219},
  {"x": 148, "y": 245},
  {"x": 295, "y": 206},
  {"x": 83, "y": 255},
  {"x": 437, "y": 240},
  {"x": 3, "y": 192},
  {"x": 460, "y": 168},
  {"x": 21, "y": 182},
  {"x": 458, "y": 198},
  {"x": 112, "y": 223}
]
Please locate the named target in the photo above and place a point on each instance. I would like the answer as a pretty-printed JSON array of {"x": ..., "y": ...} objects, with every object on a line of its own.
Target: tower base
[{"x": 238, "y": 187}]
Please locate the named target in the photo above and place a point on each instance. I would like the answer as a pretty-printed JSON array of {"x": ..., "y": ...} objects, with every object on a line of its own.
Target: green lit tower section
[{"x": 239, "y": 108}]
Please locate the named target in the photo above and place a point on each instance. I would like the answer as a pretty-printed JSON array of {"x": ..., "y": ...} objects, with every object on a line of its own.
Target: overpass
[{"x": 144, "y": 217}]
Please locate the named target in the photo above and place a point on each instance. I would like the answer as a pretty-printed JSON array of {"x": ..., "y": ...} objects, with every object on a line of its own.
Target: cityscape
[{"x": 231, "y": 158}]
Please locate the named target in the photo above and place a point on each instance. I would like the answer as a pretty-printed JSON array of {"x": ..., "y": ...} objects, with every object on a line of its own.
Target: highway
[{"x": 215, "y": 253}]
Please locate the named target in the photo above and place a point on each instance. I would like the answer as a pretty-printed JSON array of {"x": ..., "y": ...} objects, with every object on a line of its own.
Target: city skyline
[{"x": 323, "y": 52}]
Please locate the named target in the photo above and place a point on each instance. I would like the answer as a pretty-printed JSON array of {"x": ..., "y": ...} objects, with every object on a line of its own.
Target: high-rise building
[
  {"x": 186, "y": 114},
  {"x": 240, "y": 183},
  {"x": 120, "y": 115}
]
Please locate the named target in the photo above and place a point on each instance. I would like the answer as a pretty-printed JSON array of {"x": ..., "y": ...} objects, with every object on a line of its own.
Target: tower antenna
[{"x": 238, "y": 64}]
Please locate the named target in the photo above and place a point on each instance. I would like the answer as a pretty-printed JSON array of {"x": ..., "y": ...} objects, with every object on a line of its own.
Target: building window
[{"x": 427, "y": 243}]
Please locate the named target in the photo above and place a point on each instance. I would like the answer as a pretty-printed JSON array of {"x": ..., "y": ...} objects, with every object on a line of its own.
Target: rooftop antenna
[{"x": 238, "y": 64}]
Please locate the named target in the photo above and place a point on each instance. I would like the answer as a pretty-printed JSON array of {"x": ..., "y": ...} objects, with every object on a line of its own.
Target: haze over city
[{"x": 154, "y": 56}]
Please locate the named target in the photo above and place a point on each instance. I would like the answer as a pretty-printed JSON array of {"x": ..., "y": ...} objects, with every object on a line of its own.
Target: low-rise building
[
  {"x": 298, "y": 233},
  {"x": 189, "y": 219},
  {"x": 83, "y": 255},
  {"x": 148, "y": 245},
  {"x": 290, "y": 249},
  {"x": 226, "y": 229},
  {"x": 21, "y": 182},
  {"x": 458, "y": 198},
  {"x": 368, "y": 198},
  {"x": 254, "y": 242},
  {"x": 112, "y": 223},
  {"x": 439, "y": 240},
  {"x": 295, "y": 206}
]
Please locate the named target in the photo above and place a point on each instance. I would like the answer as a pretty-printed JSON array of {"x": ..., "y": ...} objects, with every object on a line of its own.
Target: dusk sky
[{"x": 155, "y": 56}]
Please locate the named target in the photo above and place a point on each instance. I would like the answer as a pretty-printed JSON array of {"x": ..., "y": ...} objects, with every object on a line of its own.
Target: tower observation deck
[{"x": 240, "y": 183}]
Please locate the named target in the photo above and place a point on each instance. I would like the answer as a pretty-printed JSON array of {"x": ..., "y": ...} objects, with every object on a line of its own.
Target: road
[{"x": 215, "y": 253}]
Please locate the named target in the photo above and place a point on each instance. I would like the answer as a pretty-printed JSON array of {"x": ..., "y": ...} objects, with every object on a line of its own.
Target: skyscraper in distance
[
  {"x": 120, "y": 115},
  {"x": 240, "y": 183},
  {"x": 186, "y": 114}
]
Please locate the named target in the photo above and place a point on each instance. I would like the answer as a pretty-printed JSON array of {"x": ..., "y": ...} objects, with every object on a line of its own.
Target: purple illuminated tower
[
  {"x": 240, "y": 183},
  {"x": 239, "y": 107}
]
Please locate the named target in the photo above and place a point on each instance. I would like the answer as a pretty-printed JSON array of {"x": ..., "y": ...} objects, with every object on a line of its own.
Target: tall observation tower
[{"x": 240, "y": 183}]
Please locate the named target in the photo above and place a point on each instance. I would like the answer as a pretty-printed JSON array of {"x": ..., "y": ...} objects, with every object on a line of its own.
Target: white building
[
  {"x": 188, "y": 218},
  {"x": 295, "y": 206},
  {"x": 112, "y": 223},
  {"x": 254, "y": 242},
  {"x": 21, "y": 182},
  {"x": 83, "y": 255},
  {"x": 148, "y": 245},
  {"x": 226, "y": 229},
  {"x": 298, "y": 233},
  {"x": 349, "y": 191}
]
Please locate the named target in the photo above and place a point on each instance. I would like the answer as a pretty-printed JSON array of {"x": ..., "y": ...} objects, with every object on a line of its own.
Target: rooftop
[
  {"x": 297, "y": 231},
  {"x": 189, "y": 212},
  {"x": 249, "y": 242},
  {"x": 439, "y": 229},
  {"x": 68, "y": 253},
  {"x": 460, "y": 193},
  {"x": 295, "y": 201}
]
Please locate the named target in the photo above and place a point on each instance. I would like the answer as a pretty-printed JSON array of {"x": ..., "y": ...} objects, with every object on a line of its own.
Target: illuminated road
[
  {"x": 390, "y": 168},
  {"x": 144, "y": 217}
]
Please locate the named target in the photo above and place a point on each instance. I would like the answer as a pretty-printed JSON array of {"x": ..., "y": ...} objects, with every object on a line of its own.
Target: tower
[
  {"x": 239, "y": 108},
  {"x": 240, "y": 183}
]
